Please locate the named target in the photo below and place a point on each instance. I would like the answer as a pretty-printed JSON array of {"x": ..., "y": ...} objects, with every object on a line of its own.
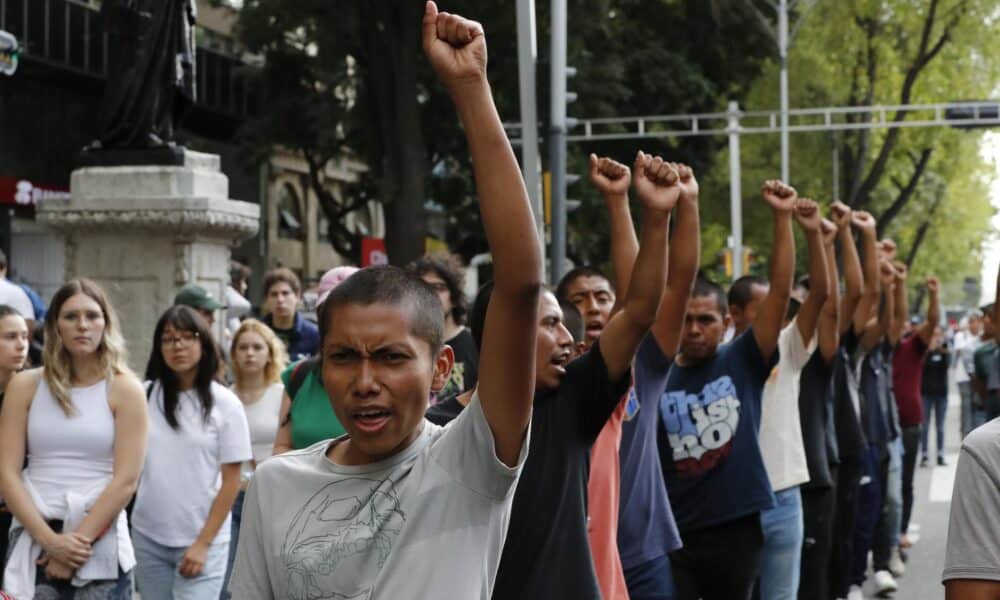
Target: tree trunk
[{"x": 391, "y": 33}]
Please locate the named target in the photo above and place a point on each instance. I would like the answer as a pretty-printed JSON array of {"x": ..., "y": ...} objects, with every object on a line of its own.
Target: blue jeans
[
  {"x": 939, "y": 405},
  {"x": 234, "y": 540},
  {"x": 780, "y": 558},
  {"x": 157, "y": 577},
  {"x": 651, "y": 580}
]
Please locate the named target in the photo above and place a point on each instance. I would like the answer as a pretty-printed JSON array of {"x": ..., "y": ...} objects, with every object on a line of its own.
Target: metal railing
[{"x": 69, "y": 35}]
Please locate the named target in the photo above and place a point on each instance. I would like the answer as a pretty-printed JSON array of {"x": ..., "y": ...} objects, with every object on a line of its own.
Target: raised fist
[
  {"x": 455, "y": 46},
  {"x": 887, "y": 273},
  {"x": 863, "y": 221},
  {"x": 779, "y": 196},
  {"x": 901, "y": 269},
  {"x": 829, "y": 230},
  {"x": 888, "y": 249},
  {"x": 610, "y": 177},
  {"x": 689, "y": 185},
  {"x": 841, "y": 214},
  {"x": 933, "y": 285},
  {"x": 807, "y": 215},
  {"x": 656, "y": 182}
]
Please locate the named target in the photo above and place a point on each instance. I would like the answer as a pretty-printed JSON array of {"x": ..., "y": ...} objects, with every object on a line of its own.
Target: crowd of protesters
[{"x": 648, "y": 436}]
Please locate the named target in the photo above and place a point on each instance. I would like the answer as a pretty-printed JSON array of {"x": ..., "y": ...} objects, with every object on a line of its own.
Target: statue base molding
[{"x": 142, "y": 232}]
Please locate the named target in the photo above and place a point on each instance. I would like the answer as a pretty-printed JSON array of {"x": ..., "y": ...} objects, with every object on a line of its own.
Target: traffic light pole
[
  {"x": 557, "y": 141},
  {"x": 527, "y": 52},
  {"x": 735, "y": 191}
]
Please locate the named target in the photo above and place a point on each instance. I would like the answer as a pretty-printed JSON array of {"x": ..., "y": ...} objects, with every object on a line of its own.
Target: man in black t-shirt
[
  {"x": 817, "y": 409},
  {"x": 547, "y": 552}
]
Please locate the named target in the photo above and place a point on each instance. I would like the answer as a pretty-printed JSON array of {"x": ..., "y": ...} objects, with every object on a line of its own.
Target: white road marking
[{"x": 943, "y": 480}]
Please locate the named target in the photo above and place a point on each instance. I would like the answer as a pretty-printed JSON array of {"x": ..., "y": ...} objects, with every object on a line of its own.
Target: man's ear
[
  {"x": 443, "y": 363},
  {"x": 727, "y": 321}
]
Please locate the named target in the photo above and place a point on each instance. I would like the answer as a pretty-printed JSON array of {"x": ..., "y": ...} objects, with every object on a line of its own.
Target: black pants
[
  {"x": 842, "y": 554},
  {"x": 5, "y": 519},
  {"x": 818, "y": 513},
  {"x": 911, "y": 442},
  {"x": 720, "y": 562},
  {"x": 884, "y": 537}
]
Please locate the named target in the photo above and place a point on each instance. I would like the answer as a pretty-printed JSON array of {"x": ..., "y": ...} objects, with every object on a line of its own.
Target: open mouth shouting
[
  {"x": 371, "y": 419},
  {"x": 559, "y": 361}
]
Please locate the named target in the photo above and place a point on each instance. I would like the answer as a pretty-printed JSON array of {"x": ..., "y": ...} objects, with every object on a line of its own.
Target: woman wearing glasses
[
  {"x": 81, "y": 421},
  {"x": 198, "y": 439}
]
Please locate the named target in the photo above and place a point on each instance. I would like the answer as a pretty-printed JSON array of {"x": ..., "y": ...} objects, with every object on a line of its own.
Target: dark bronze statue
[{"x": 151, "y": 82}]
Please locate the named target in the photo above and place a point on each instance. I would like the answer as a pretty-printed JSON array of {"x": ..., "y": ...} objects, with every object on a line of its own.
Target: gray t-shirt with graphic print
[{"x": 315, "y": 529}]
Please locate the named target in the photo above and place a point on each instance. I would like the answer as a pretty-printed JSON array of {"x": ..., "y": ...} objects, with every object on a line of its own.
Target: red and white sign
[
  {"x": 373, "y": 252},
  {"x": 24, "y": 192}
]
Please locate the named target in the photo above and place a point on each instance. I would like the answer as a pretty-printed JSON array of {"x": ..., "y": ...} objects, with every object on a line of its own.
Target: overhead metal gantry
[{"x": 735, "y": 123}]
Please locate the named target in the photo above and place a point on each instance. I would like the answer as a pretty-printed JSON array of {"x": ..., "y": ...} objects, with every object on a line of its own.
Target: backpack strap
[{"x": 299, "y": 374}]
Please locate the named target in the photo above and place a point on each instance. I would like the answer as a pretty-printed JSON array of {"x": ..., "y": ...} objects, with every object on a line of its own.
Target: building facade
[{"x": 48, "y": 113}]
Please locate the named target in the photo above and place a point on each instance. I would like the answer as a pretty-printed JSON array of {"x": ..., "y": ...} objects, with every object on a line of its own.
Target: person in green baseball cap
[{"x": 198, "y": 298}]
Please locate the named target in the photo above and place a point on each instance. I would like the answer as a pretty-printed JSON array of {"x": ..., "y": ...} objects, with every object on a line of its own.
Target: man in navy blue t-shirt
[{"x": 709, "y": 419}]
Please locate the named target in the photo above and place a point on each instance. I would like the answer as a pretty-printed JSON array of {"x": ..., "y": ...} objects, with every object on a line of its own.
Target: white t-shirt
[
  {"x": 262, "y": 418},
  {"x": 13, "y": 296},
  {"x": 429, "y": 522},
  {"x": 780, "y": 434},
  {"x": 181, "y": 477},
  {"x": 965, "y": 346}
]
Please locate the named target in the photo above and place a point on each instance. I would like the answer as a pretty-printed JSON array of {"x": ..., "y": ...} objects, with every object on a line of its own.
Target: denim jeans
[
  {"x": 887, "y": 528},
  {"x": 651, "y": 580},
  {"x": 780, "y": 558},
  {"x": 157, "y": 577},
  {"x": 234, "y": 540},
  {"x": 939, "y": 405}
]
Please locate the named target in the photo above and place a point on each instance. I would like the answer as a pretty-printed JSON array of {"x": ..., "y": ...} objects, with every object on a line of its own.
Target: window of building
[{"x": 290, "y": 214}]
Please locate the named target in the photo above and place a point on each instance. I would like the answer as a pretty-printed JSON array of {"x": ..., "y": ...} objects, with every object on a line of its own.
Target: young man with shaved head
[{"x": 363, "y": 515}]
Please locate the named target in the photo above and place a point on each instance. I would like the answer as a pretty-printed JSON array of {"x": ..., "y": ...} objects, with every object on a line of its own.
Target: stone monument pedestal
[{"x": 142, "y": 232}]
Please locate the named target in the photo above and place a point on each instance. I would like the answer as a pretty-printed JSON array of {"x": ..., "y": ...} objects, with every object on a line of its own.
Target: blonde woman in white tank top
[{"x": 81, "y": 421}]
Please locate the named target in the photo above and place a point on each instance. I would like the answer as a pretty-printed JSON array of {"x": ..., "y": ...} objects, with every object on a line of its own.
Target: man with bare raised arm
[
  {"x": 364, "y": 515},
  {"x": 710, "y": 417},
  {"x": 647, "y": 531}
]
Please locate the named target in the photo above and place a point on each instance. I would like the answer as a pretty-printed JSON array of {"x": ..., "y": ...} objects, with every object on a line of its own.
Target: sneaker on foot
[
  {"x": 923, "y": 461},
  {"x": 896, "y": 566},
  {"x": 855, "y": 593},
  {"x": 941, "y": 462},
  {"x": 884, "y": 583}
]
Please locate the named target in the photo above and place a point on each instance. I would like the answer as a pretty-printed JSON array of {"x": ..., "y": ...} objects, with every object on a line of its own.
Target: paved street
[{"x": 932, "y": 496}]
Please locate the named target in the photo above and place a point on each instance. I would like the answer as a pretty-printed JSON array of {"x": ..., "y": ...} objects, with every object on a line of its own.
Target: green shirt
[{"x": 312, "y": 414}]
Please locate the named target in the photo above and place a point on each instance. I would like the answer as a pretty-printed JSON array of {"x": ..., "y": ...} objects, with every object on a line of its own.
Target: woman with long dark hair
[
  {"x": 81, "y": 420},
  {"x": 198, "y": 439}
]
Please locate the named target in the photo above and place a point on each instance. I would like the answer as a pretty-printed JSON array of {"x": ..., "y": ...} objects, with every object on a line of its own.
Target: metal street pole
[
  {"x": 735, "y": 191},
  {"x": 557, "y": 140},
  {"x": 783, "y": 55},
  {"x": 527, "y": 53}
]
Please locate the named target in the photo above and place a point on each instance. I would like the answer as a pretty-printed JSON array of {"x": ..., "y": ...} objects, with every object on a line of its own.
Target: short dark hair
[
  {"x": 238, "y": 272},
  {"x": 3, "y": 260},
  {"x": 573, "y": 321},
  {"x": 477, "y": 318},
  {"x": 389, "y": 285},
  {"x": 741, "y": 292},
  {"x": 449, "y": 268},
  {"x": 562, "y": 290},
  {"x": 184, "y": 318},
  {"x": 282, "y": 275},
  {"x": 7, "y": 310},
  {"x": 704, "y": 287}
]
